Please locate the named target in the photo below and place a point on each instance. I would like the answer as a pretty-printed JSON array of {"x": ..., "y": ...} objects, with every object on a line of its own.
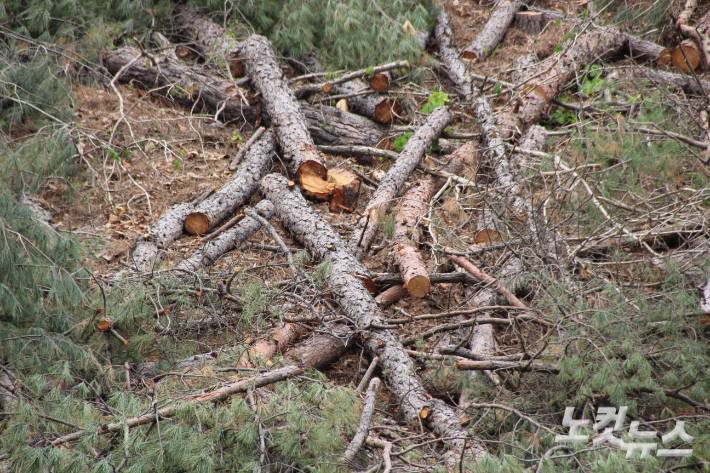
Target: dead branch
[
  {"x": 524, "y": 366},
  {"x": 220, "y": 394},
  {"x": 490, "y": 36},
  {"x": 363, "y": 427}
]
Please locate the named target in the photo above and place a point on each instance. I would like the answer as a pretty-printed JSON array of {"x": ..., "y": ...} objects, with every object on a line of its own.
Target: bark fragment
[{"x": 325, "y": 245}]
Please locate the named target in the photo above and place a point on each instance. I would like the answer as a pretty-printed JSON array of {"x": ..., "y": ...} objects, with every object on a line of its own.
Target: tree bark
[
  {"x": 680, "y": 81},
  {"x": 288, "y": 119},
  {"x": 531, "y": 22},
  {"x": 395, "y": 178},
  {"x": 552, "y": 75},
  {"x": 507, "y": 365},
  {"x": 381, "y": 108},
  {"x": 236, "y": 191},
  {"x": 357, "y": 303},
  {"x": 327, "y": 125},
  {"x": 228, "y": 240},
  {"x": 310, "y": 89},
  {"x": 491, "y": 35},
  {"x": 364, "y": 426},
  {"x": 322, "y": 349}
]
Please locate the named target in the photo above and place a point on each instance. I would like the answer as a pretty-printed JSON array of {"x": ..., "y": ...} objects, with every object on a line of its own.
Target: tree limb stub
[
  {"x": 357, "y": 303},
  {"x": 396, "y": 176},
  {"x": 220, "y": 394},
  {"x": 288, "y": 119}
]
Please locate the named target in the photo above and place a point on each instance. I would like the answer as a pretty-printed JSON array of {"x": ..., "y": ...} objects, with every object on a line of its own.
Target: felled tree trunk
[
  {"x": 490, "y": 36},
  {"x": 183, "y": 85},
  {"x": 701, "y": 34},
  {"x": 228, "y": 240},
  {"x": 395, "y": 178},
  {"x": 334, "y": 127},
  {"x": 355, "y": 300},
  {"x": 531, "y": 22},
  {"x": 236, "y": 191},
  {"x": 327, "y": 125},
  {"x": 322, "y": 349},
  {"x": 381, "y": 108},
  {"x": 288, "y": 120},
  {"x": 492, "y": 139},
  {"x": 553, "y": 74}
]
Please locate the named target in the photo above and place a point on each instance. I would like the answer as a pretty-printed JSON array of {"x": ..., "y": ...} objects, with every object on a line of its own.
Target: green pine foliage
[{"x": 349, "y": 34}]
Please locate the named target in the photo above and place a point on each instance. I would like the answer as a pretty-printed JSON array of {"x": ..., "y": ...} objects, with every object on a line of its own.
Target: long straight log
[
  {"x": 491, "y": 35},
  {"x": 357, "y": 303},
  {"x": 220, "y": 394},
  {"x": 236, "y": 191},
  {"x": 507, "y": 365},
  {"x": 395, "y": 178},
  {"x": 288, "y": 119},
  {"x": 228, "y": 240}
]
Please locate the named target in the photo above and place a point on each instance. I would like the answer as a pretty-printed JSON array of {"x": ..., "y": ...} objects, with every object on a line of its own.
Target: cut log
[
  {"x": 357, "y": 303},
  {"x": 553, "y": 74},
  {"x": 236, "y": 191},
  {"x": 327, "y": 87},
  {"x": 640, "y": 49},
  {"x": 332, "y": 127},
  {"x": 380, "y": 82},
  {"x": 531, "y": 22},
  {"x": 490, "y": 36},
  {"x": 212, "y": 42},
  {"x": 395, "y": 178},
  {"x": 322, "y": 349},
  {"x": 289, "y": 122},
  {"x": 391, "y": 296},
  {"x": 327, "y": 125},
  {"x": 380, "y": 108},
  {"x": 228, "y": 240},
  {"x": 685, "y": 57},
  {"x": 183, "y": 85},
  {"x": 413, "y": 269},
  {"x": 342, "y": 188}
]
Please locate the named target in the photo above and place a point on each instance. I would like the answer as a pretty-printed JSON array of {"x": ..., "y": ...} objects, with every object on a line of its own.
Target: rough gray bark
[
  {"x": 492, "y": 139},
  {"x": 357, "y": 303},
  {"x": 228, "y": 240},
  {"x": 237, "y": 190},
  {"x": 490, "y": 36},
  {"x": 381, "y": 108},
  {"x": 322, "y": 349},
  {"x": 306, "y": 90},
  {"x": 395, "y": 178},
  {"x": 149, "y": 247},
  {"x": 685, "y": 82},
  {"x": 211, "y": 40},
  {"x": 334, "y": 127},
  {"x": 327, "y": 125},
  {"x": 288, "y": 119}
]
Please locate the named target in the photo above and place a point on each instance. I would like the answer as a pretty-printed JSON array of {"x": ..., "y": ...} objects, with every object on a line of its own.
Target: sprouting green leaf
[
  {"x": 370, "y": 71},
  {"x": 176, "y": 163},
  {"x": 113, "y": 155},
  {"x": 401, "y": 141},
  {"x": 434, "y": 146},
  {"x": 496, "y": 88}
]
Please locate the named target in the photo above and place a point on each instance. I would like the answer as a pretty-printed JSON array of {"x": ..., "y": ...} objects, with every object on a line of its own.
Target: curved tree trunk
[
  {"x": 395, "y": 178},
  {"x": 491, "y": 35},
  {"x": 325, "y": 245},
  {"x": 288, "y": 119}
]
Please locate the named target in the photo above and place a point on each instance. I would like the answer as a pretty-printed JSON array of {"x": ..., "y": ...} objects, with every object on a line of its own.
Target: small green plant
[
  {"x": 563, "y": 117},
  {"x": 176, "y": 163},
  {"x": 386, "y": 223},
  {"x": 370, "y": 71},
  {"x": 437, "y": 98},
  {"x": 496, "y": 88},
  {"x": 322, "y": 272},
  {"x": 114, "y": 156},
  {"x": 402, "y": 141},
  {"x": 236, "y": 137},
  {"x": 332, "y": 76},
  {"x": 592, "y": 82},
  {"x": 302, "y": 258}
]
